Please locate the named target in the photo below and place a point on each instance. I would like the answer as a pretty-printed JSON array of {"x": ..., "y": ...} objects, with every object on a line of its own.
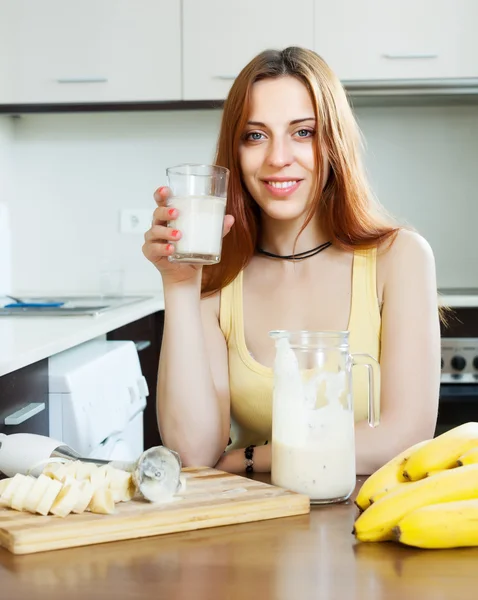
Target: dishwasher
[{"x": 97, "y": 396}]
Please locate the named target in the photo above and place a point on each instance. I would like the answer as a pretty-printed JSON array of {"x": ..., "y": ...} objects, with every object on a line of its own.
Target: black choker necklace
[{"x": 300, "y": 255}]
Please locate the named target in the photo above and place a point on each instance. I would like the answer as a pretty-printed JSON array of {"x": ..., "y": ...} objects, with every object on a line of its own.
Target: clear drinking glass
[
  {"x": 313, "y": 433},
  {"x": 199, "y": 193}
]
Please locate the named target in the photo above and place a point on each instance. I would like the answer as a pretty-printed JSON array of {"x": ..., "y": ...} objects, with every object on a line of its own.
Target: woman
[{"x": 291, "y": 143}]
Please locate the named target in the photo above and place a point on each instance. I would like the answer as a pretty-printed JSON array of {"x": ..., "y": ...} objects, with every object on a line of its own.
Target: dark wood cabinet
[
  {"x": 25, "y": 390},
  {"x": 147, "y": 334}
]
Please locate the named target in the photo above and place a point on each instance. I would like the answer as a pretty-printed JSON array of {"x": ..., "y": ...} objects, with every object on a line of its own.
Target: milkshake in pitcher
[
  {"x": 313, "y": 436},
  {"x": 199, "y": 195}
]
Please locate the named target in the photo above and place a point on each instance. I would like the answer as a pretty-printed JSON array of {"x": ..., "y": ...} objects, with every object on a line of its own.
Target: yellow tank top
[{"x": 251, "y": 383}]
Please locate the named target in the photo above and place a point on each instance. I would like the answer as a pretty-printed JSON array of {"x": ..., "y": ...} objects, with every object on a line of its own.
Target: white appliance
[{"x": 97, "y": 397}]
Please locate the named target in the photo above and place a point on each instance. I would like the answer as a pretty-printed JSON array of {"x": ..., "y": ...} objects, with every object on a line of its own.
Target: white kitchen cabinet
[
  {"x": 406, "y": 39},
  {"x": 221, "y": 36},
  {"x": 70, "y": 51}
]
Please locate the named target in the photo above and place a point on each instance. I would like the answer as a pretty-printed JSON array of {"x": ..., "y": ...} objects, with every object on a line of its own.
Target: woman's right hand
[{"x": 159, "y": 239}]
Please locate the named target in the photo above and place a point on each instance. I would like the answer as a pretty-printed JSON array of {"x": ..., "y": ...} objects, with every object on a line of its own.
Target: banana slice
[
  {"x": 36, "y": 493},
  {"x": 102, "y": 502},
  {"x": 22, "y": 492},
  {"x": 121, "y": 484},
  {"x": 49, "y": 496},
  {"x": 7, "y": 494},
  {"x": 84, "y": 470},
  {"x": 66, "y": 499},
  {"x": 85, "y": 494},
  {"x": 56, "y": 471},
  {"x": 3, "y": 486},
  {"x": 72, "y": 468},
  {"x": 99, "y": 477}
]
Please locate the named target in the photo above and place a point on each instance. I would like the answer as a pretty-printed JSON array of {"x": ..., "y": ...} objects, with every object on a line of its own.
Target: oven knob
[
  {"x": 475, "y": 362},
  {"x": 458, "y": 363},
  {"x": 442, "y": 363}
]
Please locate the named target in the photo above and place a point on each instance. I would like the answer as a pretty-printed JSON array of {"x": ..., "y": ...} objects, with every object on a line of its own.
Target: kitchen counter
[
  {"x": 27, "y": 339},
  {"x": 459, "y": 301},
  {"x": 304, "y": 557}
]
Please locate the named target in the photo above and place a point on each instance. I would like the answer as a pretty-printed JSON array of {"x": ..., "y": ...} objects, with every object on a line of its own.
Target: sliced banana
[
  {"x": 11, "y": 488},
  {"x": 56, "y": 471},
  {"x": 66, "y": 499},
  {"x": 84, "y": 470},
  {"x": 21, "y": 493},
  {"x": 36, "y": 493},
  {"x": 3, "y": 486},
  {"x": 99, "y": 477},
  {"x": 121, "y": 484},
  {"x": 102, "y": 502},
  {"x": 85, "y": 494},
  {"x": 49, "y": 496}
]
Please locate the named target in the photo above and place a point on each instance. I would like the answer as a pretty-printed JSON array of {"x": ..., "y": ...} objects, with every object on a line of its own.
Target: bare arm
[
  {"x": 193, "y": 385},
  {"x": 410, "y": 355}
]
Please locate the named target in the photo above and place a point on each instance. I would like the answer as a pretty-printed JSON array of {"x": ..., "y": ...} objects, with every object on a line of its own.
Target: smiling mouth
[
  {"x": 282, "y": 185},
  {"x": 282, "y": 189}
]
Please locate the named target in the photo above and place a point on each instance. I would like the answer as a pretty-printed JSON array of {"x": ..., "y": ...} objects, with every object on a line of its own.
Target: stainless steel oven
[{"x": 459, "y": 370}]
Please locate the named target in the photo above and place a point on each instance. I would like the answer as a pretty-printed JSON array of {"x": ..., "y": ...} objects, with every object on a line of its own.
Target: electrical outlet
[{"x": 135, "y": 220}]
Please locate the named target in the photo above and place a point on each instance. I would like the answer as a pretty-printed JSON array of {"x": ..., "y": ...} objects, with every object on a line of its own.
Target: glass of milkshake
[
  {"x": 199, "y": 194},
  {"x": 313, "y": 432}
]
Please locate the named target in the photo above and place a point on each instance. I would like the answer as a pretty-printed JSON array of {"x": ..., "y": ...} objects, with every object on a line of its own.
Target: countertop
[
  {"x": 459, "y": 300},
  {"x": 25, "y": 340},
  {"x": 296, "y": 558}
]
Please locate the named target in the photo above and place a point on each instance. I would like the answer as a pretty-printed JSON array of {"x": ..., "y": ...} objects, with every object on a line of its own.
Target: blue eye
[
  {"x": 254, "y": 136},
  {"x": 303, "y": 133}
]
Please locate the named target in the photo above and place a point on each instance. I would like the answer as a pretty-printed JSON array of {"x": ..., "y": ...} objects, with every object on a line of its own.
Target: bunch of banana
[
  {"x": 427, "y": 496},
  {"x": 384, "y": 479},
  {"x": 68, "y": 488},
  {"x": 377, "y": 522},
  {"x": 443, "y": 452},
  {"x": 447, "y": 525}
]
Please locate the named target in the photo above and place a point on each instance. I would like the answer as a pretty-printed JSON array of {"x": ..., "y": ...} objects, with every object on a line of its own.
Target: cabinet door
[
  {"x": 55, "y": 51},
  {"x": 410, "y": 39},
  {"x": 221, "y": 36}
]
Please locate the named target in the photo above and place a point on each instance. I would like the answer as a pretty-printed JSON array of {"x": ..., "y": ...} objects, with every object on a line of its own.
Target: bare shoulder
[{"x": 407, "y": 258}]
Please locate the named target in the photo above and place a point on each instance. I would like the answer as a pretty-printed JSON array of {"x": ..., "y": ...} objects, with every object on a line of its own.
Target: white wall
[
  {"x": 74, "y": 173},
  {"x": 6, "y": 190},
  {"x": 6, "y": 162},
  {"x": 424, "y": 166}
]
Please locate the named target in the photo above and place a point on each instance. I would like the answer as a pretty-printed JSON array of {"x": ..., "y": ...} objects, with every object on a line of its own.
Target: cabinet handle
[
  {"x": 25, "y": 413},
  {"x": 225, "y": 77},
  {"x": 410, "y": 56},
  {"x": 82, "y": 80},
  {"x": 142, "y": 345}
]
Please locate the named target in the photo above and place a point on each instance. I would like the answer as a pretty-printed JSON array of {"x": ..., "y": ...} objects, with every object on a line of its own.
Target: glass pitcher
[{"x": 313, "y": 434}]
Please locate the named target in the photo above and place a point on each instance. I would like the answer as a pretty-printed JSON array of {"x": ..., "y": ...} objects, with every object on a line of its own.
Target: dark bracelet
[{"x": 249, "y": 458}]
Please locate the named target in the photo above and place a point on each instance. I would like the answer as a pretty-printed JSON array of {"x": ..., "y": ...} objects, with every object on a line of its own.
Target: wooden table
[{"x": 297, "y": 558}]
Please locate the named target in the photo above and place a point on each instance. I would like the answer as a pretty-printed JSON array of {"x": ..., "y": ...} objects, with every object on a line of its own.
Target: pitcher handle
[{"x": 373, "y": 368}]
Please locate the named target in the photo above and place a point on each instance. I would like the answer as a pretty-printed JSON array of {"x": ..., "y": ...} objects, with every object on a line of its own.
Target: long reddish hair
[{"x": 349, "y": 214}]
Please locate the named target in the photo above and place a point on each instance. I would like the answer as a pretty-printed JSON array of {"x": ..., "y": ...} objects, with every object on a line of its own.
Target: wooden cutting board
[{"x": 211, "y": 498}]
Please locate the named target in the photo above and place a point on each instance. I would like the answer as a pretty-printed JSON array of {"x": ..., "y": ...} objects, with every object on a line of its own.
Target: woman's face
[{"x": 277, "y": 155}]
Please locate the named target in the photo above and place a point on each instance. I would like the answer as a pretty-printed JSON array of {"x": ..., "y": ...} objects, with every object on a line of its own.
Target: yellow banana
[
  {"x": 441, "y": 452},
  {"x": 435, "y": 471},
  {"x": 447, "y": 525},
  {"x": 469, "y": 458},
  {"x": 385, "y": 478},
  {"x": 403, "y": 482},
  {"x": 377, "y": 522}
]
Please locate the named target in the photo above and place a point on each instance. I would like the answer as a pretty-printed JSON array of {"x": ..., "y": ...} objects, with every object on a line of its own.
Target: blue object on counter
[{"x": 34, "y": 305}]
